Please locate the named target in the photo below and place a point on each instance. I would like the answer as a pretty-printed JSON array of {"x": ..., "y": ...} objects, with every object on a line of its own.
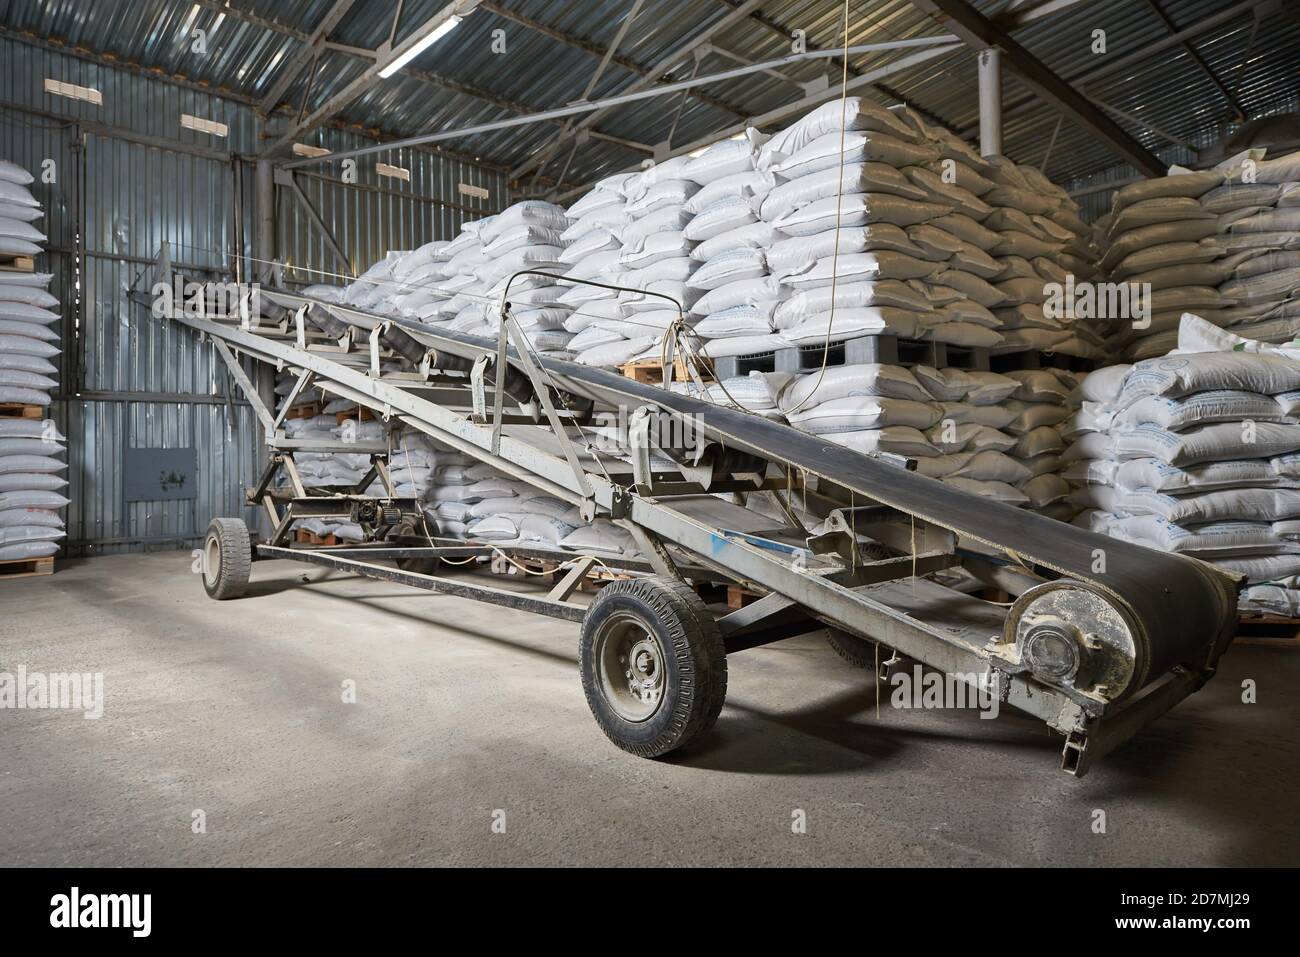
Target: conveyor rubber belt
[{"x": 1183, "y": 606}]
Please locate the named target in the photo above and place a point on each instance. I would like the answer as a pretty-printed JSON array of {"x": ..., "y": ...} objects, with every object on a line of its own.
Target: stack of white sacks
[
  {"x": 915, "y": 233},
  {"x": 1221, "y": 243},
  {"x": 457, "y": 285},
  {"x": 630, "y": 230},
  {"x": 459, "y": 497},
  {"x": 918, "y": 235},
  {"x": 473, "y": 500},
  {"x": 968, "y": 429},
  {"x": 1198, "y": 453},
  {"x": 32, "y": 482}
]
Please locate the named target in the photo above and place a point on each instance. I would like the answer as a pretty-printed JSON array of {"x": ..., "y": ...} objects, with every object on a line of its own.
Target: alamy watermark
[
  {"x": 23, "y": 690},
  {"x": 206, "y": 300},
  {"x": 126, "y": 911},
  {"x": 924, "y": 689},
  {"x": 624, "y": 429},
  {"x": 1130, "y": 301}
]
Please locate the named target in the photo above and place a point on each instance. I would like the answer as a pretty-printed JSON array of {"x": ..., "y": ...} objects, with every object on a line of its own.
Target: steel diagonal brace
[
  {"x": 542, "y": 391},
  {"x": 264, "y": 415},
  {"x": 304, "y": 379}
]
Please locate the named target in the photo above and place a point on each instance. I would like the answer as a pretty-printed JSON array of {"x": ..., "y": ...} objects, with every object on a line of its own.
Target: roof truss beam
[
  {"x": 653, "y": 73},
  {"x": 1199, "y": 61},
  {"x": 777, "y": 29},
  {"x": 368, "y": 78},
  {"x": 1225, "y": 16},
  {"x": 581, "y": 43},
  {"x": 981, "y": 33},
  {"x": 305, "y": 53}
]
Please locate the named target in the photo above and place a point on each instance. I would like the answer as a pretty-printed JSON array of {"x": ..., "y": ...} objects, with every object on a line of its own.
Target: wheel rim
[
  {"x": 211, "y": 559},
  {"x": 630, "y": 665}
]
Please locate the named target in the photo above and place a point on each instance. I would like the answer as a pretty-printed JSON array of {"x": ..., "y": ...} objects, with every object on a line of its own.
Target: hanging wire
[{"x": 839, "y": 200}]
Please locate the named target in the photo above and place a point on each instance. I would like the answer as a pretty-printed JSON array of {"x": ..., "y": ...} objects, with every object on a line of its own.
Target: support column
[
  {"x": 990, "y": 70},
  {"x": 265, "y": 251},
  {"x": 265, "y": 219}
]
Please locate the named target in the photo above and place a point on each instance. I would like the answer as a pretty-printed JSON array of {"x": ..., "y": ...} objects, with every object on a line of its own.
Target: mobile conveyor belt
[{"x": 1103, "y": 636}]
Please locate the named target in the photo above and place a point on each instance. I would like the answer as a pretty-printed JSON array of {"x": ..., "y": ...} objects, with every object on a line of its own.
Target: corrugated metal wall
[
  {"x": 127, "y": 178},
  {"x": 377, "y": 213}
]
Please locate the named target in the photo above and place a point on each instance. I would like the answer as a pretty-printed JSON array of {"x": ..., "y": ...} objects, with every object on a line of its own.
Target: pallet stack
[
  {"x": 31, "y": 469},
  {"x": 1199, "y": 454},
  {"x": 1218, "y": 243},
  {"x": 858, "y": 239}
]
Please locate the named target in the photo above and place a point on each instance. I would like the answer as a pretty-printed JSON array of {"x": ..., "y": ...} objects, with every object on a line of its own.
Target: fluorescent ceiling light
[
  {"x": 426, "y": 41},
  {"x": 198, "y": 123},
  {"x": 302, "y": 149},
  {"x": 396, "y": 172},
  {"x": 74, "y": 92}
]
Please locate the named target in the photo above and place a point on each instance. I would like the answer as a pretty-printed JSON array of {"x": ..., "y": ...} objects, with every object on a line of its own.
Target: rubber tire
[
  {"x": 859, "y": 652},
  {"x": 696, "y": 683},
  {"x": 420, "y": 566},
  {"x": 234, "y": 545}
]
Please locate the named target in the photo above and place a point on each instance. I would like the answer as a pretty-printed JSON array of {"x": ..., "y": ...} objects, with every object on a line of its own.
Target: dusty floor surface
[{"x": 466, "y": 714}]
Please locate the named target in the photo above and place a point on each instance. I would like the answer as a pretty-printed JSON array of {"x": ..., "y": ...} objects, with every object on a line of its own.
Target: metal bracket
[
  {"x": 639, "y": 443},
  {"x": 652, "y": 548},
  {"x": 300, "y": 328},
  {"x": 620, "y": 504},
  {"x": 375, "y": 349},
  {"x": 477, "y": 389}
]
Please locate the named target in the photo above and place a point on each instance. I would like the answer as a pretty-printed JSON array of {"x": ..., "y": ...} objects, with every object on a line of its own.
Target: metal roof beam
[
  {"x": 1200, "y": 62},
  {"x": 587, "y": 46},
  {"x": 1025, "y": 12},
  {"x": 1227, "y": 15},
  {"x": 940, "y": 45},
  {"x": 980, "y": 33},
  {"x": 666, "y": 63},
  {"x": 805, "y": 103},
  {"x": 304, "y": 53},
  {"x": 777, "y": 29},
  {"x": 370, "y": 76},
  {"x": 605, "y": 60}
]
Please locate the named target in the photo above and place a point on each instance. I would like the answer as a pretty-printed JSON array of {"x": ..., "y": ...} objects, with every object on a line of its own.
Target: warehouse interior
[{"x": 417, "y": 417}]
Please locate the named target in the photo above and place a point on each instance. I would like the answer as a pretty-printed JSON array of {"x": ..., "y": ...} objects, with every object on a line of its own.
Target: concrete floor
[{"x": 236, "y": 709}]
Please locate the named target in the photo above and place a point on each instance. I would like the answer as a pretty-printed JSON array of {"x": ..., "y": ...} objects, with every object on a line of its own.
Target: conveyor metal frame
[{"x": 824, "y": 583}]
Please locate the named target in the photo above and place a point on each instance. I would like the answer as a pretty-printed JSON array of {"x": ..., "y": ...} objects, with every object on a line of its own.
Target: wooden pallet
[
  {"x": 1021, "y": 361},
  {"x": 360, "y": 413},
  {"x": 17, "y": 264},
  {"x": 18, "y": 410},
  {"x": 598, "y": 577},
  {"x": 738, "y": 597},
  {"x": 651, "y": 371},
  {"x": 27, "y": 567},
  {"x": 305, "y": 410},
  {"x": 304, "y": 537},
  {"x": 891, "y": 350},
  {"x": 539, "y": 569},
  {"x": 1268, "y": 630}
]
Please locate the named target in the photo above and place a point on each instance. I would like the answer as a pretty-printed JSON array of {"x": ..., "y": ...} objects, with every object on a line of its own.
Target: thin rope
[{"x": 839, "y": 200}]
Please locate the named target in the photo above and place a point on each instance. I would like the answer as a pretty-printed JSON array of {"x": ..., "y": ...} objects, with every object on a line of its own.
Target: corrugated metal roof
[{"x": 462, "y": 80}]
